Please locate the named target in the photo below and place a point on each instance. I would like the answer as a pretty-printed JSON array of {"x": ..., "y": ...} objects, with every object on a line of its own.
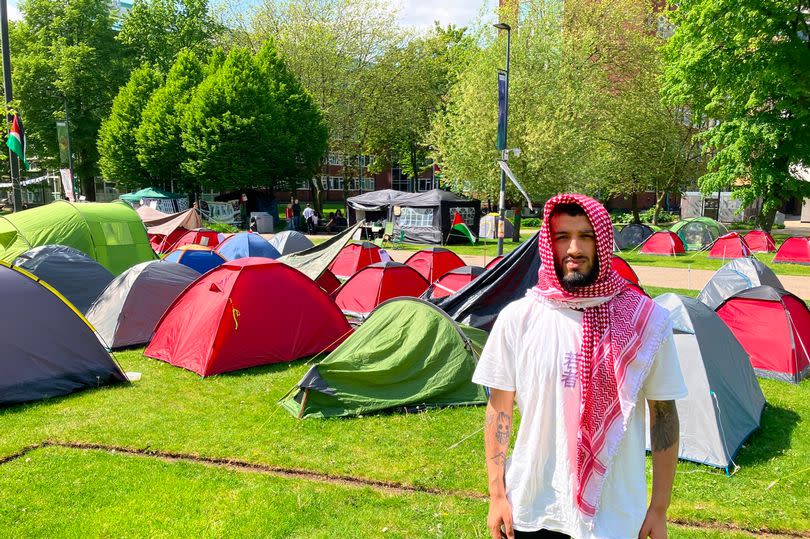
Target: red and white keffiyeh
[{"x": 621, "y": 333}]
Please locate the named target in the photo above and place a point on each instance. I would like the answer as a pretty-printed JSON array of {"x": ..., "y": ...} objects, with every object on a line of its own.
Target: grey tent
[
  {"x": 127, "y": 311},
  {"x": 374, "y": 205},
  {"x": 479, "y": 303},
  {"x": 633, "y": 235},
  {"x": 49, "y": 349},
  {"x": 74, "y": 274},
  {"x": 290, "y": 241},
  {"x": 738, "y": 275},
  {"x": 725, "y": 402},
  {"x": 427, "y": 217},
  {"x": 488, "y": 228}
]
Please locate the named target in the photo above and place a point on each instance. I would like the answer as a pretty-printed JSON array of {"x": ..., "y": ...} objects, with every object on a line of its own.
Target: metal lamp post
[
  {"x": 16, "y": 194},
  {"x": 502, "y": 139}
]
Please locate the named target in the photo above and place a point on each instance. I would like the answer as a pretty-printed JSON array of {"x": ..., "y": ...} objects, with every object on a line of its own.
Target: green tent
[
  {"x": 112, "y": 234},
  {"x": 698, "y": 232},
  {"x": 409, "y": 353},
  {"x": 149, "y": 192}
]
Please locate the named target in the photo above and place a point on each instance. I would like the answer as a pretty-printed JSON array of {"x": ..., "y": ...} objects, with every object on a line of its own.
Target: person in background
[
  {"x": 308, "y": 213},
  {"x": 296, "y": 208},
  {"x": 288, "y": 215}
]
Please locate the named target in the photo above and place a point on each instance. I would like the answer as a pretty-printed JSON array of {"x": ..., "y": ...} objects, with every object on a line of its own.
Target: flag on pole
[
  {"x": 16, "y": 140},
  {"x": 461, "y": 227}
]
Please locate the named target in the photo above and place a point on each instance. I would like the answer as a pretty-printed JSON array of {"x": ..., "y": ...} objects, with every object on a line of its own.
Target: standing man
[
  {"x": 581, "y": 353},
  {"x": 296, "y": 215},
  {"x": 288, "y": 215},
  {"x": 308, "y": 214}
]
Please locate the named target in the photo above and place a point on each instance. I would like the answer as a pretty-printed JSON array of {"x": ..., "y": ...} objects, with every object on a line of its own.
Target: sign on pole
[{"x": 501, "y": 144}]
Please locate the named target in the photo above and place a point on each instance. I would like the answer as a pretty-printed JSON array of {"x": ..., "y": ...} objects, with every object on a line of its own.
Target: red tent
[
  {"x": 774, "y": 328},
  {"x": 353, "y": 258},
  {"x": 663, "y": 242},
  {"x": 199, "y": 236},
  {"x": 621, "y": 266},
  {"x": 454, "y": 280},
  {"x": 760, "y": 241},
  {"x": 247, "y": 312},
  {"x": 165, "y": 244},
  {"x": 434, "y": 262},
  {"x": 730, "y": 245},
  {"x": 494, "y": 262},
  {"x": 328, "y": 281},
  {"x": 377, "y": 283},
  {"x": 795, "y": 250}
]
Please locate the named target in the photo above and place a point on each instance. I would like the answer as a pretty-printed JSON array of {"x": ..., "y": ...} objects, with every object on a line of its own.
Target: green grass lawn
[
  {"x": 235, "y": 417},
  {"x": 701, "y": 260}
]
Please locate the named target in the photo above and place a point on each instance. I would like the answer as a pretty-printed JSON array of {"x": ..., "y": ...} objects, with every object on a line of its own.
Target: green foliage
[
  {"x": 623, "y": 217},
  {"x": 249, "y": 123},
  {"x": 116, "y": 138},
  {"x": 159, "y": 135},
  {"x": 750, "y": 70},
  {"x": 222, "y": 227},
  {"x": 531, "y": 222},
  {"x": 65, "y": 55},
  {"x": 156, "y": 31}
]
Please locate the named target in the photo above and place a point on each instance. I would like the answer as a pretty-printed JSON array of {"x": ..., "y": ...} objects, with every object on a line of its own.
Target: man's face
[{"x": 574, "y": 244}]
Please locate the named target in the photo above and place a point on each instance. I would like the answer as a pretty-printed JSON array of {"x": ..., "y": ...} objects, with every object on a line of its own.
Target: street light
[{"x": 503, "y": 122}]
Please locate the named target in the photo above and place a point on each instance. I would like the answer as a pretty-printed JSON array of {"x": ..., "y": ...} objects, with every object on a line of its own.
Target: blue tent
[
  {"x": 196, "y": 257},
  {"x": 245, "y": 244}
]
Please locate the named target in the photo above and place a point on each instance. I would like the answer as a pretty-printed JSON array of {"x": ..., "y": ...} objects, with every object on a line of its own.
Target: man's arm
[
  {"x": 664, "y": 432},
  {"x": 497, "y": 433}
]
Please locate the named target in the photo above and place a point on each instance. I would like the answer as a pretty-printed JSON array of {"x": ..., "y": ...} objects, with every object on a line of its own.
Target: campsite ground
[{"x": 177, "y": 455}]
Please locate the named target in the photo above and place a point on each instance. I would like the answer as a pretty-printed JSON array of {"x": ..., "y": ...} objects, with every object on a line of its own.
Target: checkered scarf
[{"x": 621, "y": 333}]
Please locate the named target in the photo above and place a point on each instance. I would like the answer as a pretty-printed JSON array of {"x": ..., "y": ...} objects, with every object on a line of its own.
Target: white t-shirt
[
  {"x": 308, "y": 212},
  {"x": 532, "y": 350}
]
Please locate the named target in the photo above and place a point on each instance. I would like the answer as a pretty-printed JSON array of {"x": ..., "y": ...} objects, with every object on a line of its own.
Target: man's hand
[
  {"x": 500, "y": 514},
  {"x": 655, "y": 524}
]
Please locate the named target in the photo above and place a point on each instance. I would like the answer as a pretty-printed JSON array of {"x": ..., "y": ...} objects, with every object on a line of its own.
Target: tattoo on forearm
[
  {"x": 665, "y": 427},
  {"x": 504, "y": 428},
  {"x": 499, "y": 459}
]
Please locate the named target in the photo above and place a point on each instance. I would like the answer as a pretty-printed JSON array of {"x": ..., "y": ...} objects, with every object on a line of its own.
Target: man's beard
[{"x": 578, "y": 279}]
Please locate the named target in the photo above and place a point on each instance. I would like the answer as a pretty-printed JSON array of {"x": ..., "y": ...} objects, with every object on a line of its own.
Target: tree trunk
[
  {"x": 765, "y": 219},
  {"x": 518, "y": 215},
  {"x": 315, "y": 190},
  {"x": 657, "y": 208},
  {"x": 634, "y": 208}
]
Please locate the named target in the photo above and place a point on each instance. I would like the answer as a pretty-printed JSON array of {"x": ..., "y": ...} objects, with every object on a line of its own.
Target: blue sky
[{"x": 415, "y": 13}]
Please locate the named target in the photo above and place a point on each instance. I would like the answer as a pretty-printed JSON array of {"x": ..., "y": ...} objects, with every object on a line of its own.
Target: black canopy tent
[
  {"x": 427, "y": 217},
  {"x": 374, "y": 205}
]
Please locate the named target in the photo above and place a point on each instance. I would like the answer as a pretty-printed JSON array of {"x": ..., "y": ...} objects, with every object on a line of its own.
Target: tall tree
[
  {"x": 749, "y": 69},
  {"x": 249, "y": 124},
  {"x": 116, "y": 138},
  {"x": 159, "y": 137},
  {"x": 158, "y": 30},
  {"x": 66, "y": 57}
]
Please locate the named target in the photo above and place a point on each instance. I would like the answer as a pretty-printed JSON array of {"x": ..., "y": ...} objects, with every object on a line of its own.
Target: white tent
[{"x": 725, "y": 401}]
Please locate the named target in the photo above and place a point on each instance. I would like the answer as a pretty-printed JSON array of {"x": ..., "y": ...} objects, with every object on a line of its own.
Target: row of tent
[{"x": 218, "y": 322}]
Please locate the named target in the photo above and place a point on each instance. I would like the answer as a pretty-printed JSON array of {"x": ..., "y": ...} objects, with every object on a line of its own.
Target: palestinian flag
[
  {"x": 16, "y": 139},
  {"x": 461, "y": 227}
]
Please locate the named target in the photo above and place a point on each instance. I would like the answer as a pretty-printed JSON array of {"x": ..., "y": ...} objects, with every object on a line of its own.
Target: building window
[
  {"x": 416, "y": 217},
  {"x": 369, "y": 184},
  {"x": 424, "y": 184},
  {"x": 335, "y": 158},
  {"x": 335, "y": 183},
  {"x": 468, "y": 214}
]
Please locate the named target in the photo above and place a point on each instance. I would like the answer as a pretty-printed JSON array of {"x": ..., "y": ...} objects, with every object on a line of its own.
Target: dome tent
[
  {"x": 386, "y": 365},
  {"x": 663, "y": 242},
  {"x": 112, "y": 234},
  {"x": 453, "y": 281},
  {"x": 377, "y": 283},
  {"x": 795, "y": 250},
  {"x": 623, "y": 268},
  {"x": 199, "y": 236},
  {"x": 738, "y": 275},
  {"x": 698, "y": 232},
  {"x": 245, "y": 244},
  {"x": 354, "y": 257},
  {"x": 730, "y": 245},
  {"x": 127, "y": 311},
  {"x": 633, "y": 235},
  {"x": 328, "y": 281},
  {"x": 760, "y": 241},
  {"x": 196, "y": 257},
  {"x": 290, "y": 241},
  {"x": 74, "y": 274},
  {"x": 773, "y": 326},
  {"x": 725, "y": 402},
  {"x": 433, "y": 262},
  {"x": 225, "y": 321},
  {"x": 58, "y": 354}
]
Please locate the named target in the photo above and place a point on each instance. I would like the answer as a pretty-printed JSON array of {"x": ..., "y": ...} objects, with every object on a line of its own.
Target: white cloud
[{"x": 422, "y": 13}]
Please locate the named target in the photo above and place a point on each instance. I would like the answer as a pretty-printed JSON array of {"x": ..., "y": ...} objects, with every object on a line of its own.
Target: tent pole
[{"x": 303, "y": 403}]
